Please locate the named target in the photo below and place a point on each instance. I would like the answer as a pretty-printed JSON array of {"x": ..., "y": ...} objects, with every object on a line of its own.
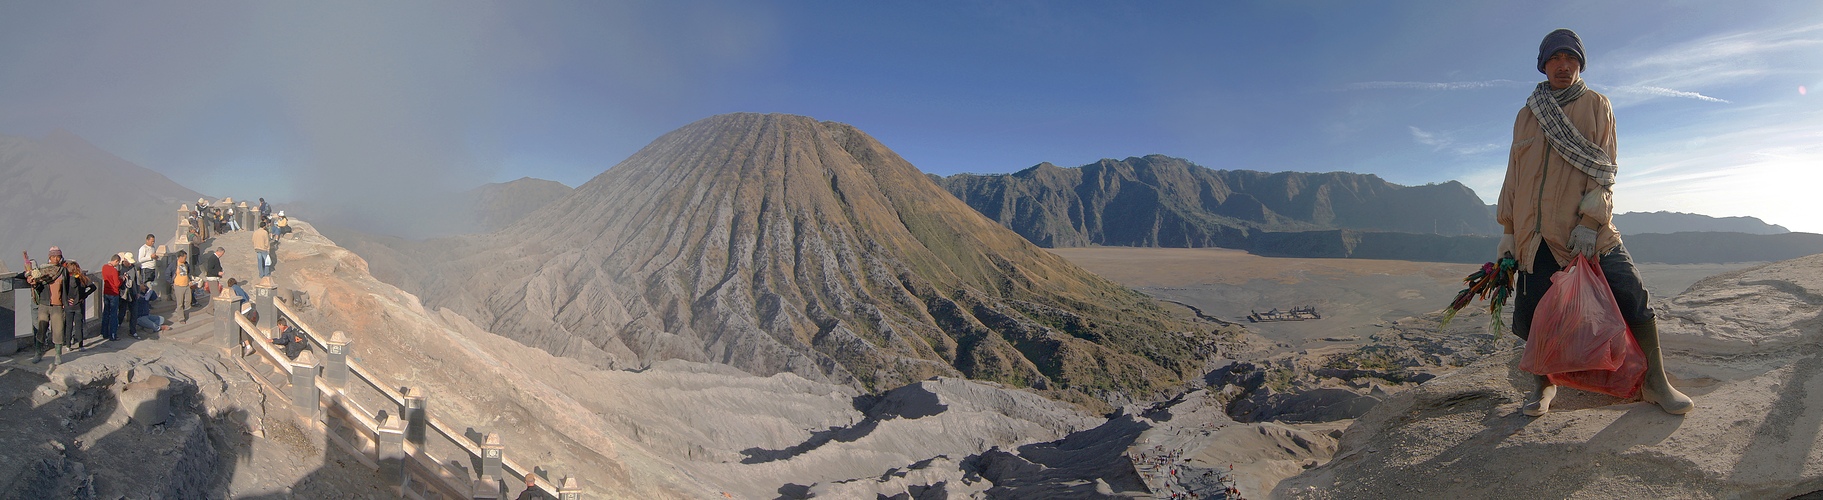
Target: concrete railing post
[
  {"x": 303, "y": 385},
  {"x": 183, "y": 220},
  {"x": 166, "y": 253},
  {"x": 242, "y": 217},
  {"x": 416, "y": 422},
  {"x": 570, "y": 490},
  {"x": 91, "y": 307},
  {"x": 491, "y": 453},
  {"x": 22, "y": 315},
  {"x": 262, "y": 302},
  {"x": 486, "y": 488},
  {"x": 391, "y": 450},
  {"x": 227, "y": 330},
  {"x": 336, "y": 370}
]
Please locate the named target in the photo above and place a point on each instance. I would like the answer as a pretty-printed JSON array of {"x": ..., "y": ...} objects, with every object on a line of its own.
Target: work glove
[
  {"x": 1506, "y": 248},
  {"x": 1582, "y": 241}
]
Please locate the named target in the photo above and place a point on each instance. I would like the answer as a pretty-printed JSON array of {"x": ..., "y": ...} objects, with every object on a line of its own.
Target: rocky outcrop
[
  {"x": 776, "y": 243},
  {"x": 1169, "y": 202},
  {"x": 1743, "y": 344},
  {"x": 159, "y": 419},
  {"x": 672, "y": 428}
]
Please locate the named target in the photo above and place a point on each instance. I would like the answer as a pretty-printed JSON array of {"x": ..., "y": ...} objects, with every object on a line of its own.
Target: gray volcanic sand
[{"x": 1353, "y": 295}]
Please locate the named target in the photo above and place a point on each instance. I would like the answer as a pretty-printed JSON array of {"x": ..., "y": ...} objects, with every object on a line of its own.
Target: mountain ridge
[
  {"x": 1663, "y": 222},
  {"x": 1174, "y": 202},
  {"x": 51, "y": 192}
]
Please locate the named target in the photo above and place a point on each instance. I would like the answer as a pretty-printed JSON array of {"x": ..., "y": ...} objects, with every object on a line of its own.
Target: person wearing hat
[
  {"x": 283, "y": 224},
  {"x": 47, "y": 284},
  {"x": 1557, "y": 203}
]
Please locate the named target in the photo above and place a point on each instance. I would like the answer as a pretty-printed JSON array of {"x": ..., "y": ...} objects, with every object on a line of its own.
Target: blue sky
[{"x": 415, "y": 99}]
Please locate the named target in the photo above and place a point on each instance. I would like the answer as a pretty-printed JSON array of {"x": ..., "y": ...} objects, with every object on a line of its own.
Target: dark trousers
[
  {"x": 51, "y": 322},
  {"x": 1617, "y": 266},
  {"x": 110, "y": 317}
]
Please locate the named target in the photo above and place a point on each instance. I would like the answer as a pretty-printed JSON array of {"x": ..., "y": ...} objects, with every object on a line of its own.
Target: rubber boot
[
  {"x": 1540, "y": 402},
  {"x": 38, "y": 341},
  {"x": 1657, "y": 388}
]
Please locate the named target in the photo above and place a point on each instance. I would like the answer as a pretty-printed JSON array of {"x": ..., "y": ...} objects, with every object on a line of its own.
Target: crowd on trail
[
  {"x": 129, "y": 283},
  {"x": 1171, "y": 476}
]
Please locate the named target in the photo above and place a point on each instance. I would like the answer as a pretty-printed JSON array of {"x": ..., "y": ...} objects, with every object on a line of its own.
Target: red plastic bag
[
  {"x": 1579, "y": 338},
  {"x": 1621, "y": 382}
]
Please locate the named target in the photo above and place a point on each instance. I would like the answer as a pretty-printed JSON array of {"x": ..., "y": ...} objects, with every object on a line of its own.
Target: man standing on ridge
[
  {"x": 110, "y": 297},
  {"x": 210, "y": 266},
  {"x": 148, "y": 261},
  {"x": 1557, "y": 202},
  {"x": 262, "y": 249},
  {"x": 50, "y": 292}
]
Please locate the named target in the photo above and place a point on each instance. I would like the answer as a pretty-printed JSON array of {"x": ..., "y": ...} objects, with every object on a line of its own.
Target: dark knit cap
[{"x": 1562, "y": 40}]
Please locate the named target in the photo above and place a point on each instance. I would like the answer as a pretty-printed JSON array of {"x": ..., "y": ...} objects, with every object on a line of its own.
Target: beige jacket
[
  {"x": 1544, "y": 193},
  {"x": 262, "y": 240}
]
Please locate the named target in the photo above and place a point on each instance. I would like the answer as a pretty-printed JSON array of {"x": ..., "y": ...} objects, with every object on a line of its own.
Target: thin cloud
[
  {"x": 1720, "y": 60},
  {"x": 1442, "y": 142},
  {"x": 1640, "y": 90},
  {"x": 1484, "y": 84},
  {"x": 1731, "y": 48},
  {"x": 1651, "y": 91},
  {"x": 1425, "y": 138}
]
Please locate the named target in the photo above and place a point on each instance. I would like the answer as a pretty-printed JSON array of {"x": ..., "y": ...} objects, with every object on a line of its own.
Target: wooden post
[
  {"x": 336, "y": 371},
  {"x": 303, "y": 385}
]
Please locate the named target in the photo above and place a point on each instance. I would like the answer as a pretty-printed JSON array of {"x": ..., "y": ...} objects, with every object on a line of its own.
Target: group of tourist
[{"x": 129, "y": 282}]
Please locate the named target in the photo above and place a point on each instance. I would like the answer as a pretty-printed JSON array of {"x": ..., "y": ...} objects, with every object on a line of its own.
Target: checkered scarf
[{"x": 1588, "y": 157}]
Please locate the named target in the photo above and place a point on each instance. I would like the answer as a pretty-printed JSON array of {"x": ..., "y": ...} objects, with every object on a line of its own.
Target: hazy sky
[{"x": 349, "y": 103}]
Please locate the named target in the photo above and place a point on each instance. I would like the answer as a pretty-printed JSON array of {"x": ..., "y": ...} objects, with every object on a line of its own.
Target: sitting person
[
  {"x": 240, "y": 294},
  {"x": 152, "y": 322},
  {"x": 252, "y": 315},
  {"x": 290, "y": 338},
  {"x": 284, "y": 225}
]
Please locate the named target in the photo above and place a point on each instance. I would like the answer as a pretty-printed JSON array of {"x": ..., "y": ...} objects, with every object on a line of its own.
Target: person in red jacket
[{"x": 110, "y": 298}]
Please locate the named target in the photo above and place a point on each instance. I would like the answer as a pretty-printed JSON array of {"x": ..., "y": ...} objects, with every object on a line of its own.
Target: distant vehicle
[{"x": 1295, "y": 314}]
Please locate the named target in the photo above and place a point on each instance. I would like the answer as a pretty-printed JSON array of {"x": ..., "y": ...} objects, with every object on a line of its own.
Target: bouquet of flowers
[{"x": 1494, "y": 283}]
